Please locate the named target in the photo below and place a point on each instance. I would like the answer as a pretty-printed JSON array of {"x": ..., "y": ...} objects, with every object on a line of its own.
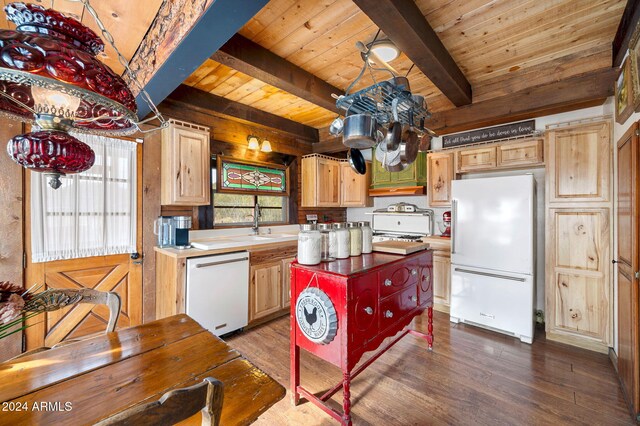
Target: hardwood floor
[{"x": 473, "y": 376}]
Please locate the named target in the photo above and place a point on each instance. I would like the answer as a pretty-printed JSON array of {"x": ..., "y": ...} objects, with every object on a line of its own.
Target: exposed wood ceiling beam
[
  {"x": 208, "y": 102},
  {"x": 220, "y": 20},
  {"x": 403, "y": 22},
  {"x": 254, "y": 60},
  {"x": 627, "y": 26},
  {"x": 584, "y": 90}
]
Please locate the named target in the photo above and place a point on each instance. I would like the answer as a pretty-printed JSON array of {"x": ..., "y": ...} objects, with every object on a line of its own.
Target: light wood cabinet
[
  {"x": 354, "y": 187},
  {"x": 185, "y": 165},
  {"x": 265, "y": 290},
  {"x": 579, "y": 161},
  {"x": 286, "y": 281},
  {"x": 439, "y": 177},
  {"x": 578, "y": 288},
  {"x": 320, "y": 184},
  {"x": 469, "y": 160},
  {"x": 441, "y": 281},
  {"x": 529, "y": 152}
]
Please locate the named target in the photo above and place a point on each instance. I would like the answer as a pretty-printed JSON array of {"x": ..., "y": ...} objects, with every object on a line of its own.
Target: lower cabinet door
[
  {"x": 441, "y": 280},
  {"x": 265, "y": 296},
  {"x": 363, "y": 311},
  {"x": 286, "y": 281}
]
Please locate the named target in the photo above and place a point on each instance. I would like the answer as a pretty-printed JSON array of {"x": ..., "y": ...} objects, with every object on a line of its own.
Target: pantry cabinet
[
  {"x": 185, "y": 172},
  {"x": 439, "y": 176},
  {"x": 578, "y": 287},
  {"x": 330, "y": 182}
]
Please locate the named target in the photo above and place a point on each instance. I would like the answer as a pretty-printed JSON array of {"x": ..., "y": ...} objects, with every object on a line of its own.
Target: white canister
[
  {"x": 309, "y": 245},
  {"x": 367, "y": 237},
  {"x": 343, "y": 240},
  {"x": 356, "y": 239}
]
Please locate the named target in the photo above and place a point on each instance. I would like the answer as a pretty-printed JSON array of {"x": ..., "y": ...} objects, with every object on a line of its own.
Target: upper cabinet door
[
  {"x": 328, "y": 183},
  {"x": 476, "y": 159},
  {"x": 439, "y": 177},
  {"x": 186, "y": 170},
  {"x": 578, "y": 165},
  {"x": 354, "y": 191}
]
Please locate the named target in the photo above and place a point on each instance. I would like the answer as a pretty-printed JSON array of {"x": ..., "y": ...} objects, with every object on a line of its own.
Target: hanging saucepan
[
  {"x": 336, "y": 126},
  {"x": 360, "y": 131},
  {"x": 356, "y": 161},
  {"x": 409, "y": 144},
  {"x": 394, "y": 133},
  {"x": 425, "y": 143}
]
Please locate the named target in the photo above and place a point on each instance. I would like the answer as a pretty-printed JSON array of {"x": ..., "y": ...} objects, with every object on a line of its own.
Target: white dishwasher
[{"x": 218, "y": 291}]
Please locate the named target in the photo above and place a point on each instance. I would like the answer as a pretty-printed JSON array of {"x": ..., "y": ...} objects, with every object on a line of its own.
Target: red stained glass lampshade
[{"x": 50, "y": 76}]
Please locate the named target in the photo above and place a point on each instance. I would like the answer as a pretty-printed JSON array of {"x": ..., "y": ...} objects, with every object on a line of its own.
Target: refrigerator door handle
[
  {"x": 454, "y": 210},
  {"x": 488, "y": 274}
]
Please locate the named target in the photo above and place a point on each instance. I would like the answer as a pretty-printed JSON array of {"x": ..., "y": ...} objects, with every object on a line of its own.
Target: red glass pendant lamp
[{"x": 50, "y": 77}]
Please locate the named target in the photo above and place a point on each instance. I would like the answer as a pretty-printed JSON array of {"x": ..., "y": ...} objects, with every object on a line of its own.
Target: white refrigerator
[{"x": 493, "y": 254}]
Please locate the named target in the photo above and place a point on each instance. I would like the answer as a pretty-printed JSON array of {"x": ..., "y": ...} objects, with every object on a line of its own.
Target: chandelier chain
[{"x": 123, "y": 61}]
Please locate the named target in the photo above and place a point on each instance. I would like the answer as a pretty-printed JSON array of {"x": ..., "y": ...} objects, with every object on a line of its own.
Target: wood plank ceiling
[
  {"x": 501, "y": 46},
  {"x": 127, "y": 20}
]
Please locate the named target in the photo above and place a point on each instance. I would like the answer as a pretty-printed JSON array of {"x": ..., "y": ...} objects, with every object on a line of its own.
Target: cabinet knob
[
  {"x": 368, "y": 310},
  {"x": 388, "y": 314},
  {"x": 387, "y": 282},
  {"x": 414, "y": 298},
  {"x": 414, "y": 272}
]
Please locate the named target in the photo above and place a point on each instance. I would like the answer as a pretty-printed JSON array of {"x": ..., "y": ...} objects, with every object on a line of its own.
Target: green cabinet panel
[{"x": 414, "y": 175}]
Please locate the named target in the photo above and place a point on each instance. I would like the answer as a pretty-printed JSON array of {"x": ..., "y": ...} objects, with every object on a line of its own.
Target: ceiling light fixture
[
  {"x": 50, "y": 76},
  {"x": 384, "y": 49}
]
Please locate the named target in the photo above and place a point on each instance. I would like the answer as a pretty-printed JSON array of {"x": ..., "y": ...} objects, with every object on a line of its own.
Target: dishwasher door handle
[{"x": 221, "y": 262}]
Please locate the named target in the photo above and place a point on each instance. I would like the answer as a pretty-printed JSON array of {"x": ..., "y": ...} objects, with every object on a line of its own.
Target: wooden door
[
  {"x": 355, "y": 187},
  {"x": 476, "y": 159},
  {"x": 328, "y": 183},
  {"x": 286, "y": 281},
  {"x": 185, "y": 165},
  {"x": 578, "y": 286},
  {"x": 627, "y": 266},
  {"x": 439, "y": 177},
  {"x": 120, "y": 273},
  {"x": 579, "y": 163},
  {"x": 265, "y": 290}
]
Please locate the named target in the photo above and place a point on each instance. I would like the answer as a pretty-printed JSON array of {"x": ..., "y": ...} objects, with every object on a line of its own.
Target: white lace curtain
[{"x": 93, "y": 213}]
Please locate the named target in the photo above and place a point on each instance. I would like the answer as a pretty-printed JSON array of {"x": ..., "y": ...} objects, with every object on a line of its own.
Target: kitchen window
[
  {"x": 93, "y": 213},
  {"x": 238, "y": 186}
]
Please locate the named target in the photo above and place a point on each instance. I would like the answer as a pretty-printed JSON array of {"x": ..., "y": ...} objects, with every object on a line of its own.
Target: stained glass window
[{"x": 248, "y": 177}]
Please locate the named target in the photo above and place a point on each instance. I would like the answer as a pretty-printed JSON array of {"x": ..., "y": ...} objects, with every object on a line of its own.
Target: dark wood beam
[
  {"x": 254, "y": 60},
  {"x": 577, "y": 92},
  {"x": 208, "y": 31},
  {"x": 403, "y": 22},
  {"x": 626, "y": 28},
  {"x": 207, "y": 102}
]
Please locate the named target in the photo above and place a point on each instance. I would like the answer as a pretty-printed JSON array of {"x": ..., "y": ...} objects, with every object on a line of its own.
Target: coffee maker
[{"x": 182, "y": 224}]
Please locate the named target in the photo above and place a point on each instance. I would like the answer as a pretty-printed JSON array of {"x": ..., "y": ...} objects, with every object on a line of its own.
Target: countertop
[
  {"x": 194, "y": 252},
  {"x": 437, "y": 242},
  {"x": 359, "y": 264}
]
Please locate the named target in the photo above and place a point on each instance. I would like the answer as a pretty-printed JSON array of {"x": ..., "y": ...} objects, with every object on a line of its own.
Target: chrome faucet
[{"x": 256, "y": 216}]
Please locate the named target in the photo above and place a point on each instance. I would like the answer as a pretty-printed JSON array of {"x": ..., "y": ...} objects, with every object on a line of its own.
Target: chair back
[{"x": 175, "y": 406}]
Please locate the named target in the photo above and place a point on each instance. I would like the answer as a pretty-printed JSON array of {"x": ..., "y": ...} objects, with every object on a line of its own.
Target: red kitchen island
[{"x": 347, "y": 307}]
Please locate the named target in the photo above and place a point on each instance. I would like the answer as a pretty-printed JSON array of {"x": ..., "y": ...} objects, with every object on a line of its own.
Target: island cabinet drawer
[
  {"x": 362, "y": 311},
  {"x": 394, "y": 307},
  {"x": 397, "y": 277},
  {"x": 425, "y": 284}
]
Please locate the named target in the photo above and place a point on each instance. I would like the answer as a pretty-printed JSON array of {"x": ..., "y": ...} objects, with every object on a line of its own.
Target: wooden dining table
[{"x": 98, "y": 377}]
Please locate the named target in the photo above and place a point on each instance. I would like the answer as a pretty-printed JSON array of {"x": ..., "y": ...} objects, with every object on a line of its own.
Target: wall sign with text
[{"x": 489, "y": 134}]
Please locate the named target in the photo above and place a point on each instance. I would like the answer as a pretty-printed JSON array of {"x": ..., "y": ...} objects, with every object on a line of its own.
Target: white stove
[{"x": 401, "y": 222}]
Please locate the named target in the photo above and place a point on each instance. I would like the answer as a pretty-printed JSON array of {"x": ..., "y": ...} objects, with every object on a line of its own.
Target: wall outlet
[{"x": 539, "y": 316}]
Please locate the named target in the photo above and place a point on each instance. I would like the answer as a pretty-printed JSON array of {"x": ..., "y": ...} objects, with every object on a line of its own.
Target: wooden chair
[
  {"x": 175, "y": 406},
  {"x": 53, "y": 299}
]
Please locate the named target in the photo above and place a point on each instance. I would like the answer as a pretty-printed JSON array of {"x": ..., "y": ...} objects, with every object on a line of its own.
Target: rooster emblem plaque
[{"x": 316, "y": 316}]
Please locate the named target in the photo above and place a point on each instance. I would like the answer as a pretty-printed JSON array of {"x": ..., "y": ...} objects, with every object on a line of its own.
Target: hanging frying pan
[{"x": 356, "y": 161}]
